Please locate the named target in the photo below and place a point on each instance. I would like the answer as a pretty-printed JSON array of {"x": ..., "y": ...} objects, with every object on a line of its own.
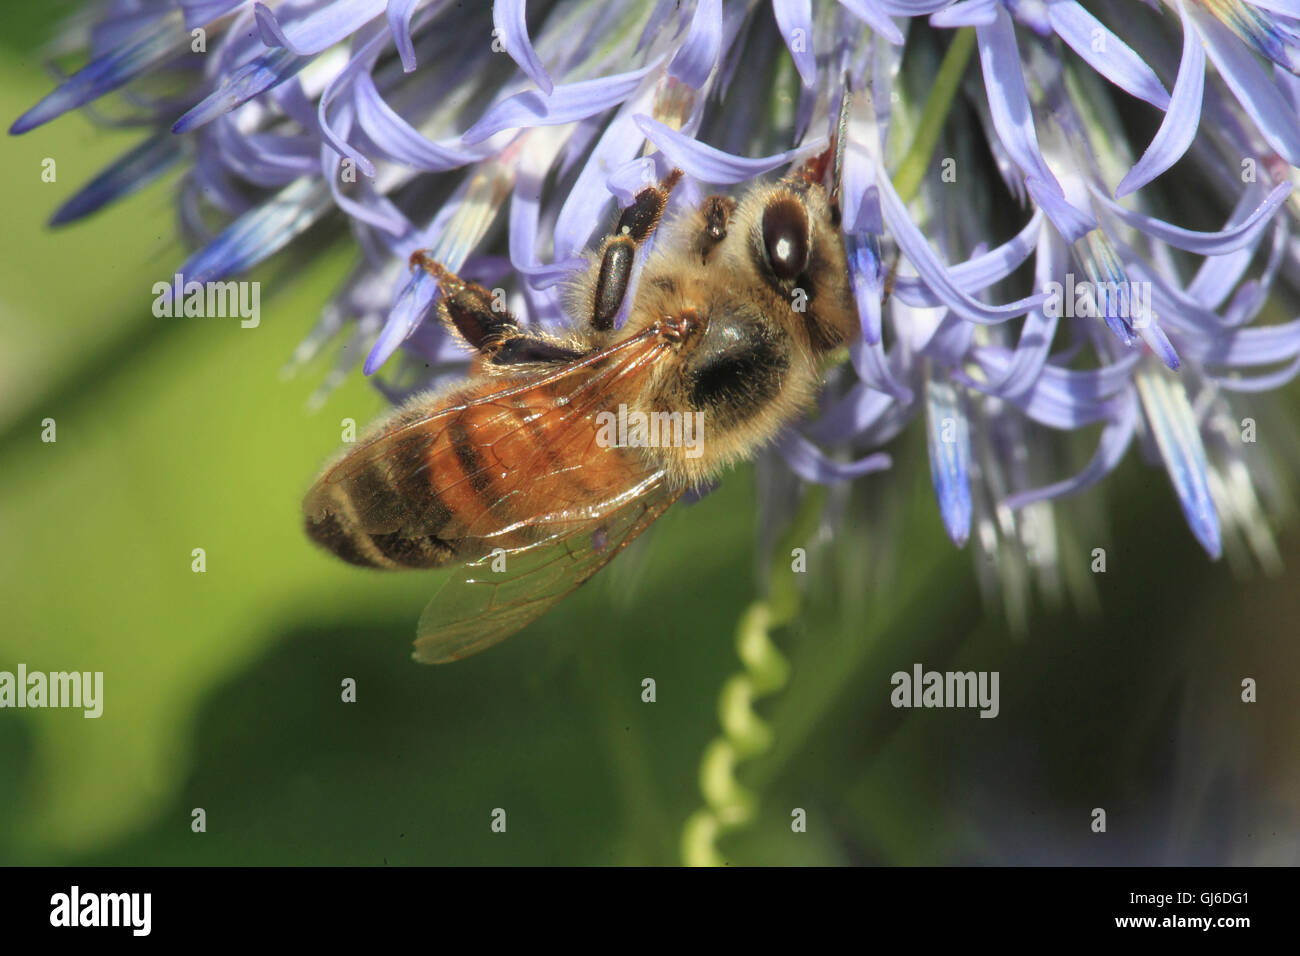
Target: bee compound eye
[{"x": 785, "y": 236}]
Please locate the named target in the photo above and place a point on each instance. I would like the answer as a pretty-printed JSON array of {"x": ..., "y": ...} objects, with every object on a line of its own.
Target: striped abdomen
[{"x": 472, "y": 475}]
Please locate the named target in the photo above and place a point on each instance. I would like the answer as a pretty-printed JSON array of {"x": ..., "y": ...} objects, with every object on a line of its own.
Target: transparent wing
[
  {"x": 494, "y": 596},
  {"x": 481, "y": 470},
  {"x": 514, "y": 484}
]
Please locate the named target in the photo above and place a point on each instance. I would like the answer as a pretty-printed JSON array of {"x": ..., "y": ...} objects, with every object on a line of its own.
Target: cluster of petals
[{"x": 500, "y": 138}]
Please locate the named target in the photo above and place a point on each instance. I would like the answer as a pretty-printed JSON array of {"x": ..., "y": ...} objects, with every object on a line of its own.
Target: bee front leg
[
  {"x": 477, "y": 317},
  {"x": 635, "y": 225},
  {"x": 470, "y": 312},
  {"x": 714, "y": 215}
]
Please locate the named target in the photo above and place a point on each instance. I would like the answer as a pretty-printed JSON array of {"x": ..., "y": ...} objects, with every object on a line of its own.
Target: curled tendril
[{"x": 728, "y": 805}]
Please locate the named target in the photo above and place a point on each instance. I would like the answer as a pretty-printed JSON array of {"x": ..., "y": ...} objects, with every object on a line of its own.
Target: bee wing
[
  {"x": 478, "y": 473},
  {"x": 517, "y": 475},
  {"x": 494, "y": 596}
]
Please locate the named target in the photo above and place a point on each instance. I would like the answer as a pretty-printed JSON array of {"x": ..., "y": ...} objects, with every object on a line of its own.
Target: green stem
[
  {"x": 912, "y": 169},
  {"x": 745, "y": 735}
]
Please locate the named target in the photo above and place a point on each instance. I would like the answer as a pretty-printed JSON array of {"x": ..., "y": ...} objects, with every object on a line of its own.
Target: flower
[{"x": 1020, "y": 271}]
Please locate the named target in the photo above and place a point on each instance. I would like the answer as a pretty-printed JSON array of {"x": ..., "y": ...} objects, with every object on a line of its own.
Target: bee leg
[
  {"x": 471, "y": 313},
  {"x": 636, "y": 224},
  {"x": 813, "y": 169},
  {"x": 715, "y": 213},
  {"x": 477, "y": 317},
  {"x": 890, "y": 279}
]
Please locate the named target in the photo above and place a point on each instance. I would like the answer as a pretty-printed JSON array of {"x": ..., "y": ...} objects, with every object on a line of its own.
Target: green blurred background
[{"x": 222, "y": 689}]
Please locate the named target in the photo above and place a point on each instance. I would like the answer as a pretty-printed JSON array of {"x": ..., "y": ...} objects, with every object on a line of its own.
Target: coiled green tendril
[{"x": 729, "y": 805}]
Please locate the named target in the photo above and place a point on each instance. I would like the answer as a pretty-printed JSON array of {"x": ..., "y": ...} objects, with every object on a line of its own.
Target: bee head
[{"x": 796, "y": 247}]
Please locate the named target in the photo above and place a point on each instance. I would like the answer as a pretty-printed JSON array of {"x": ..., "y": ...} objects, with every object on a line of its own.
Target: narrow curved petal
[
  {"x": 794, "y": 19},
  {"x": 1218, "y": 243},
  {"x": 877, "y": 19},
  {"x": 508, "y": 17},
  {"x": 1116, "y": 436},
  {"x": 867, "y": 276},
  {"x": 317, "y": 29},
  {"x": 252, "y": 79},
  {"x": 261, "y": 232},
  {"x": 979, "y": 272},
  {"x": 399, "y": 15},
  {"x": 948, "y": 440},
  {"x": 1173, "y": 423},
  {"x": 812, "y": 464},
  {"x": 710, "y": 165},
  {"x": 694, "y": 62},
  {"x": 933, "y": 271},
  {"x": 1251, "y": 85},
  {"x": 566, "y": 103},
  {"x": 132, "y": 171},
  {"x": 410, "y": 309},
  {"x": 967, "y": 13},
  {"x": 1178, "y": 128},
  {"x": 1026, "y": 361},
  {"x": 1266, "y": 382},
  {"x": 1106, "y": 53},
  {"x": 149, "y": 45},
  {"x": 402, "y": 142},
  {"x": 858, "y": 410}
]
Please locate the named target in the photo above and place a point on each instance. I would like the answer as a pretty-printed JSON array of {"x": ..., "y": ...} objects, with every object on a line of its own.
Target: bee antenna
[
  {"x": 841, "y": 137},
  {"x": 814, "y": 168}
]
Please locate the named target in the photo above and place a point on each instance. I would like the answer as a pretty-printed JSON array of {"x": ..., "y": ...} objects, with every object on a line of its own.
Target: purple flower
[{"x": 1023, "y": 270}]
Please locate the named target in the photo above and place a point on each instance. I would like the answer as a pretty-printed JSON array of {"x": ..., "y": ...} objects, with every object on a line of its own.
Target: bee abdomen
[
  {"x": 429, "y": 498},
  {"x": 391, "y": 550},
  {"x": 327, "y": 531},
  {"x": 386, "y": 515}
]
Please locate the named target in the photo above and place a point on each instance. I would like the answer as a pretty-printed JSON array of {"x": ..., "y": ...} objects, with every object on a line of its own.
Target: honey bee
[{"x": 509, "y": 476}]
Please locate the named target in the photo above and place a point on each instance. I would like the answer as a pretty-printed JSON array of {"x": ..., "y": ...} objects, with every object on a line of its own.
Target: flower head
[{"x": 1023, "y": 270}]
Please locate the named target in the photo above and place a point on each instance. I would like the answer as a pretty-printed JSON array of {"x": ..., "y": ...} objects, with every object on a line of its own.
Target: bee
[{"x": 512, "y": 476}]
